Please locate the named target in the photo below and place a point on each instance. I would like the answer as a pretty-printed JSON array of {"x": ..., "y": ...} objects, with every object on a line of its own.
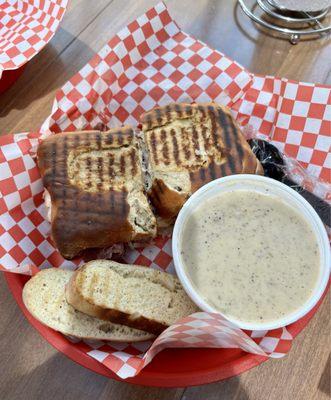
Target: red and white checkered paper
[
  {"x": 26, "y": 26},
  {"x": 152, "y": 62}
]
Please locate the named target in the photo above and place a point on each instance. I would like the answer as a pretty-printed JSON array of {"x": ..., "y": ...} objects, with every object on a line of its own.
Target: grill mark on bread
[
  {"x": 129, "y": 133},
  {"x": 148, "y": 121},
  {"x": 224, "y": 124},
  {"x": 195, "y": 140},
  {"x": 188, "y": 110},
  {"x": 231, "y": 162},
  {"x": 184, "y": 145},
  {"x": 119, "y": 139},
  {"x": 175, "y": 146},
  {"x": 100, "y": 173},
  {"x": 158, "y": 116},
  {"x": 109, "y": 139},
  {"x": 168, "y": 113},
  {"x": 76, "y": 145},
  {"x": 53, "y": 161},
  {"x": 202, "y": 174},
  {"x": 76, "y": 141},
  {"x": 214, "y": 128},
  {"x": 88, "y": 165},
  {"x": 165, "y": 148},
  {"x": 110, "y": 165},
  {"x": 178, "y": 110},
  {"x": 154, "y": 148},
  {"x": 88, "y": 141},
  {"x": 133, "y": 162},
  {"x": 203, "y": 111},
  {"x": 211, "y": 169},
  {"x": 223, "y": 169},
  {"x": 98, "y": 140},
  {"x": 65, "y": 154},
  {"x": 88, "y": 168},
  {"x": 122, "y": 164}
]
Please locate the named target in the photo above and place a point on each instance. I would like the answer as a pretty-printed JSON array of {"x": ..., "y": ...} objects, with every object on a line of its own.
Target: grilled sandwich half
[
  {"x": 189, "y": 145},
  {"x": 96, "y": 185}
]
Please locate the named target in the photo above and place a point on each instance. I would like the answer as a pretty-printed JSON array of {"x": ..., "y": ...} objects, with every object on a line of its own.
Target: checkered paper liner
[
  {"x": 152, "y": 62},
  {"x": 26, "y": 26}
]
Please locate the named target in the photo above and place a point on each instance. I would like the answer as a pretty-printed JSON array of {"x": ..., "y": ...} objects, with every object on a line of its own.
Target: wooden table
[{"x": 31, "y": 368}]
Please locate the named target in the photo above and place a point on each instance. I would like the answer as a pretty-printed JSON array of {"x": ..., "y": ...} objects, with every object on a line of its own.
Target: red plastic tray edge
[
  {"x": 9, "y": 77},
  {"x": 147, "y": 377}
]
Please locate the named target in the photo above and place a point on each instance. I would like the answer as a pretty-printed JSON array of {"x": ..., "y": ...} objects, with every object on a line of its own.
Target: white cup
[{"x": 263, "y": 185}]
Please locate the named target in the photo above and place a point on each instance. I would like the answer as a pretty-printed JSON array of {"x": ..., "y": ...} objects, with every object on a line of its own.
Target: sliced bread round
[
  {"x": 44, "y": 296},
  {"x": 136, "y": 296}
]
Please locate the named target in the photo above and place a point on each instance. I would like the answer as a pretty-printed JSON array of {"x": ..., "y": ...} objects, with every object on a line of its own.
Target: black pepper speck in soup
[{"x": 250, "y": 256}]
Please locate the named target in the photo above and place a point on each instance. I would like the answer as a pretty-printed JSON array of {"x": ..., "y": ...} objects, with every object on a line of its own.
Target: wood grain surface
[{"x": 30, "y": 367}]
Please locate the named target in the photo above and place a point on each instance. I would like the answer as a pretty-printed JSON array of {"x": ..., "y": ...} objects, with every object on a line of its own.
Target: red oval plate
[{"x": 191, "y": 366}]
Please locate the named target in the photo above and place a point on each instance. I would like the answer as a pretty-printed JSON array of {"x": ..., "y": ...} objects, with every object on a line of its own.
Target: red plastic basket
[
  {"x": 170, "y": 368},
  {"x": 9, "y": 77}
]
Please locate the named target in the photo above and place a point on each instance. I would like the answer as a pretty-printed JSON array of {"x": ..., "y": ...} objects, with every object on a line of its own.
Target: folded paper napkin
[
  {"x": 26, "y": 26},
  {"x": 152, "y": 62}
]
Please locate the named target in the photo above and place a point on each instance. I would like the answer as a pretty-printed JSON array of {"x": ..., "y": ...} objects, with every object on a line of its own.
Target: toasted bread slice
[
  {"x": 96, "y": 186},
  {"x": 44, "y": 297},
  {"x": 135, "y": 296},
  {"x": 190, "y": 145}
]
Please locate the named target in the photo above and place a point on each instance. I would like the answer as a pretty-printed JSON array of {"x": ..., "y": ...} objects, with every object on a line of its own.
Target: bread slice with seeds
[
  {"x": 188, "y": 146},
  {"x": 140, "y": 297},
  {"x": 44, "y": 297}
]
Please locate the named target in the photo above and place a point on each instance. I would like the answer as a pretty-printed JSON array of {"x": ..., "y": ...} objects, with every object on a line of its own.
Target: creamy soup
[{"x": 250, "y": 256}]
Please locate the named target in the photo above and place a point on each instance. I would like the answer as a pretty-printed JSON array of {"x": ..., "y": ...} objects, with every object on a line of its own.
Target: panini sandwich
[
  {"x": 96, "y": 186},
  {"x": 189, "y": 145}
]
